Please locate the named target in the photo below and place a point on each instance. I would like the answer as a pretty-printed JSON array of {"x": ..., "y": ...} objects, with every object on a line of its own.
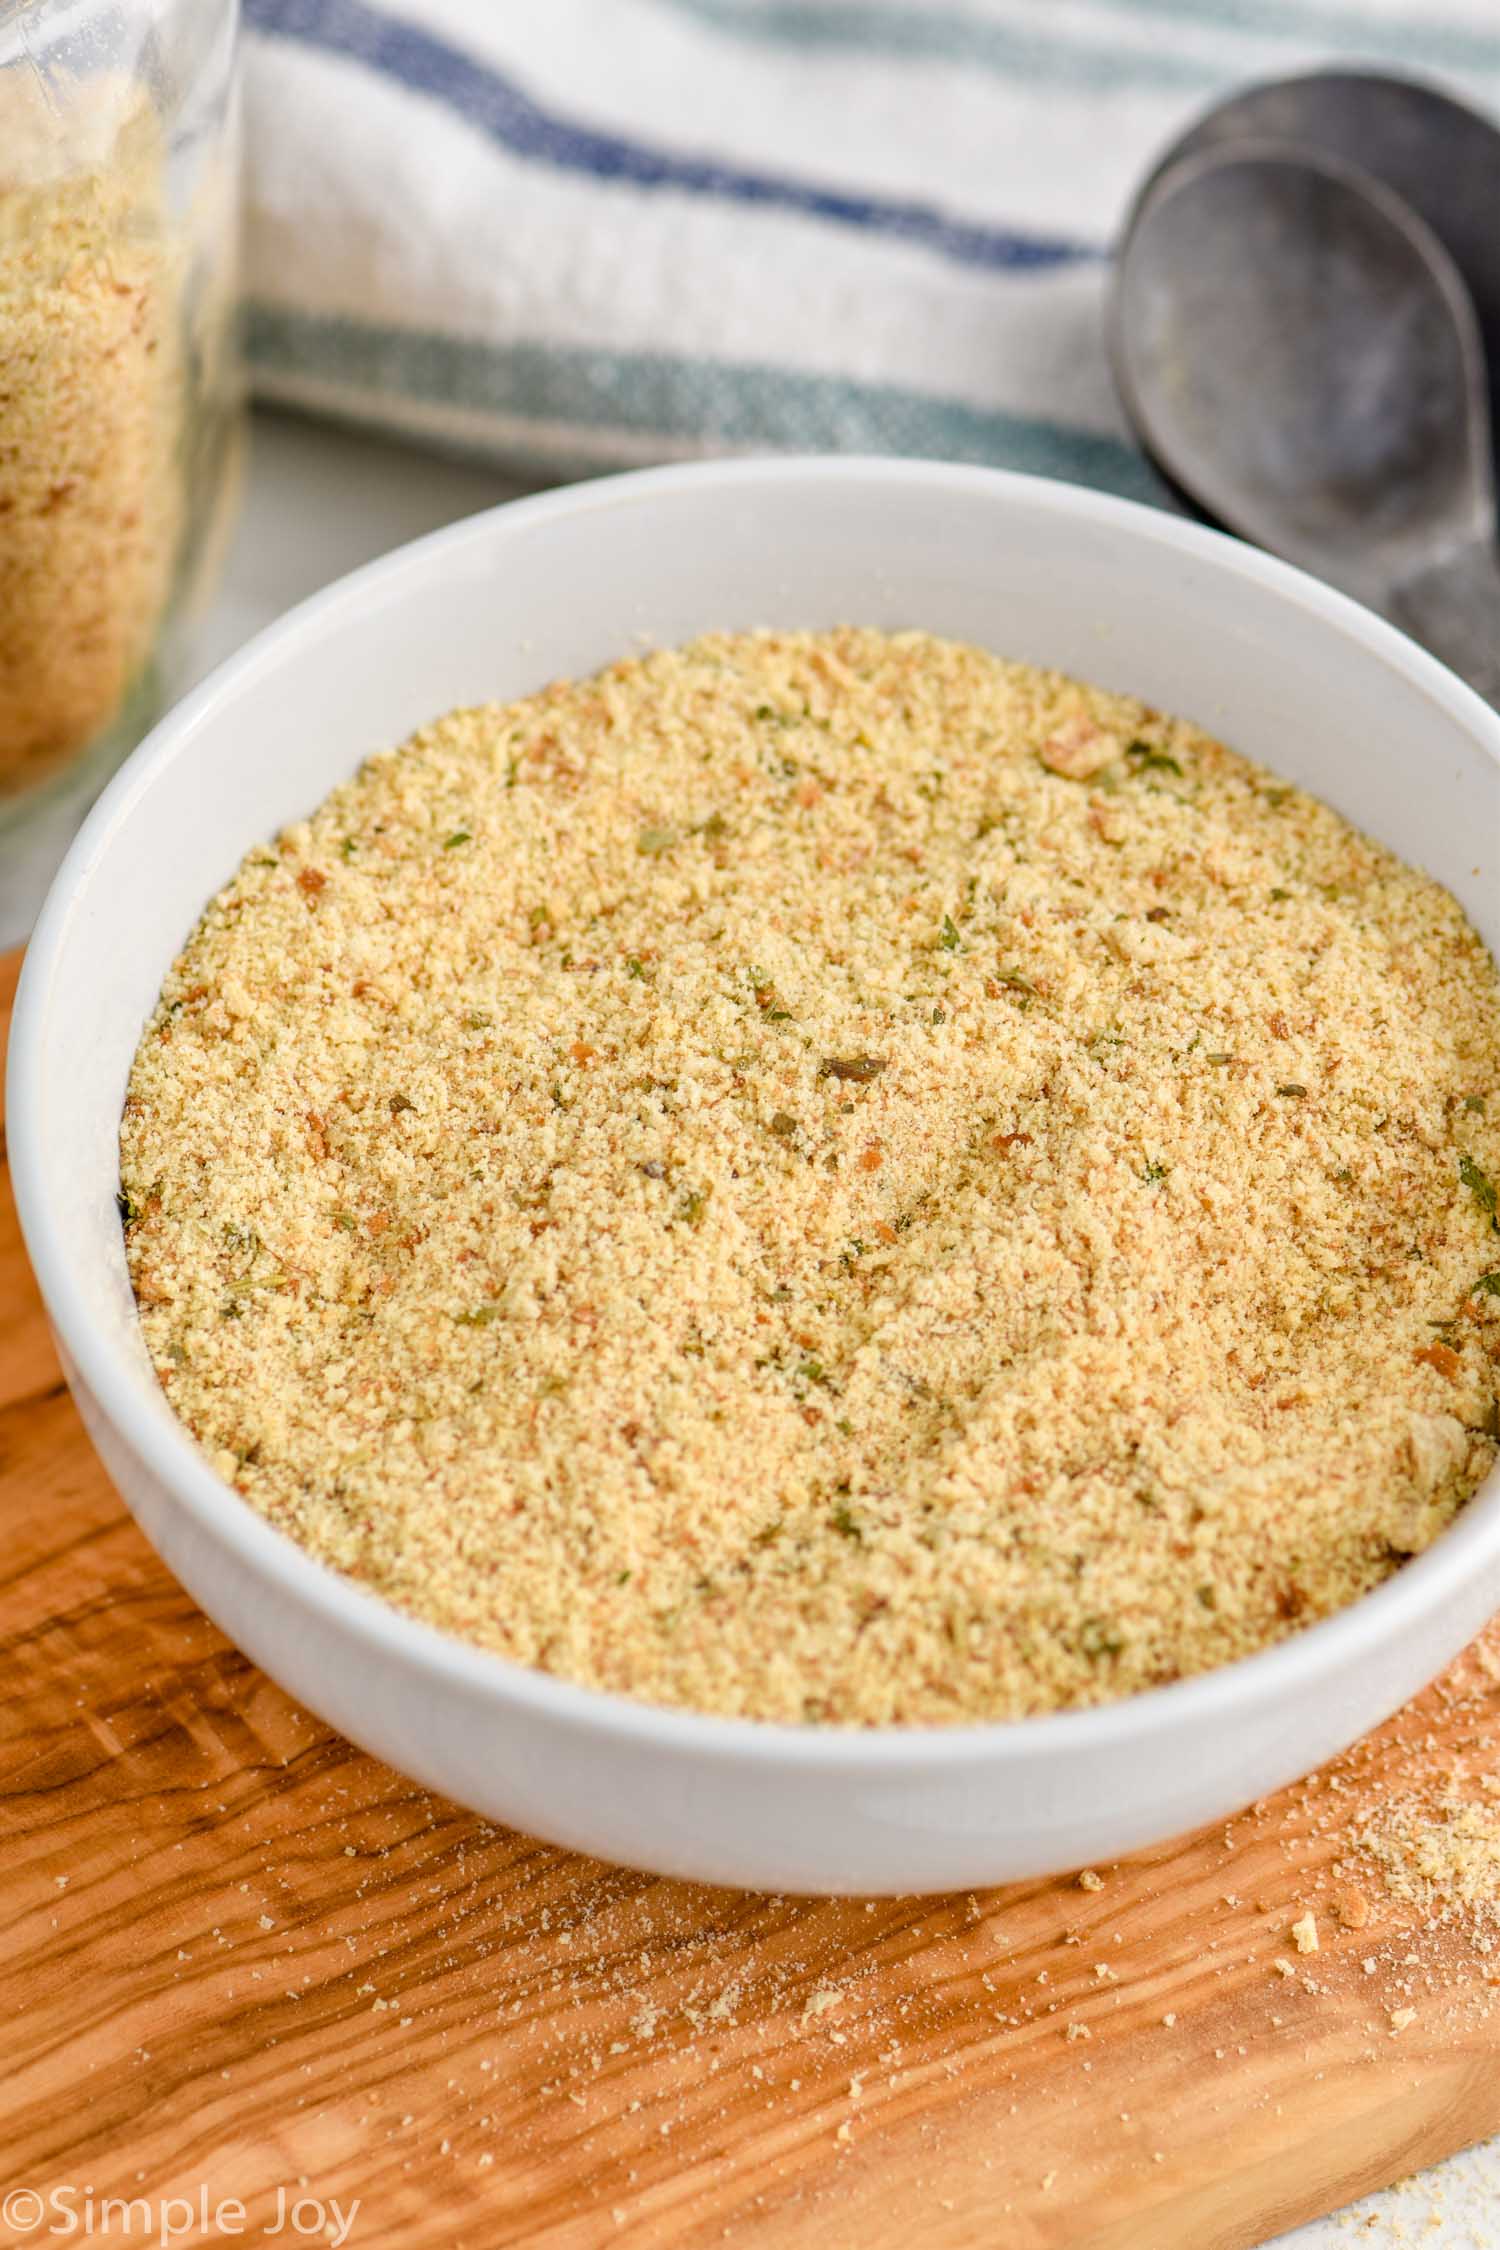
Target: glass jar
[{"x": 120, "y": 393}]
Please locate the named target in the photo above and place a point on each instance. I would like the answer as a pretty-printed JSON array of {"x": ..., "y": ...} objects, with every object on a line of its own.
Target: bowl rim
[{"x": 162, "y": 1445}]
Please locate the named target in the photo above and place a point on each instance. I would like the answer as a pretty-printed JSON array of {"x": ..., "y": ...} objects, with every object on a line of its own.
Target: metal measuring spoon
[
  {"x": 1439, "y": 156},
  {"x": 1301, "y": 358}
]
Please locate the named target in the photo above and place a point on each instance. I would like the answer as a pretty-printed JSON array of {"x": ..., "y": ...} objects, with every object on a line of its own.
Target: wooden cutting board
[{"x": 241, "y": 1960}]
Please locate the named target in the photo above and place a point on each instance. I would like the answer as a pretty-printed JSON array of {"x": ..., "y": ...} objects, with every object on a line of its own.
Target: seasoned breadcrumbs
[
  {"x": 831, "y": 1177},
  {"x": 90, "y": 388}
]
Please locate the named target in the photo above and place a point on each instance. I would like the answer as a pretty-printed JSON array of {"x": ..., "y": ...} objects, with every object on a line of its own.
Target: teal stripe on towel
[
  {"x": 1030, "y": 51},
  {"x": 1421, "y": 42},
  {"x": 649, "y": 394},
  {"x": 1021, "y": 50}
]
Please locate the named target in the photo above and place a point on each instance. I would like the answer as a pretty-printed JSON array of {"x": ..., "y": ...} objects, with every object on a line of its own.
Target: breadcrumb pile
[
  {"x": 834, "y": 1178},
  {"x": 1442, "y": 1855}
]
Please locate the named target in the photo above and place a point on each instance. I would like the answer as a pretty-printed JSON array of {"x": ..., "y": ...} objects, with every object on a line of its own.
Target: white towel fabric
[{"x": 577, "y": 234}]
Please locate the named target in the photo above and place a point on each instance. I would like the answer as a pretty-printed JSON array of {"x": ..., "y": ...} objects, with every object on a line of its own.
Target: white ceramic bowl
[{"x": 1286, "y": 670}]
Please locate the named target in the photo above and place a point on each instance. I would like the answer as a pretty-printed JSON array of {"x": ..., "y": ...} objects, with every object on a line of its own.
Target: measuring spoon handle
[{"x": 1452, "y": 606}]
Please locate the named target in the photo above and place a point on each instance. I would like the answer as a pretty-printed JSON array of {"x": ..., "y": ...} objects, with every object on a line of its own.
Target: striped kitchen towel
[{"x": 578, "y": 234}]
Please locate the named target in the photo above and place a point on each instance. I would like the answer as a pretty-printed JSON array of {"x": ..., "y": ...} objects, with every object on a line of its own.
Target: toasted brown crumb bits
[
  {"x": 916, "y": 1295},
  {"x": 1352, "y": 1908}
]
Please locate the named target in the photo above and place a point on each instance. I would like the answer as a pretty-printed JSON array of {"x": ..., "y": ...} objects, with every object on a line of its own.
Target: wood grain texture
[{"x": 240, "y": 1957}]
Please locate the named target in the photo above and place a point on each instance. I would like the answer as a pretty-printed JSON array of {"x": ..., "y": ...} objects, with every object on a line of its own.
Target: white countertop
[{"x": 318, "y": 503}]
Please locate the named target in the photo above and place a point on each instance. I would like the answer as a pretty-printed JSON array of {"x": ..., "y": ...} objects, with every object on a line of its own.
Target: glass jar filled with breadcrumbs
[{"x": 120, "y": 396}]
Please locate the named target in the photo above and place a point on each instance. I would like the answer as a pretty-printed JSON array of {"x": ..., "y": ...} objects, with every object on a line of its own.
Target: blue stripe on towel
[
  {"x": 492, "y": 102},
  {"x": 592, "y": 392}
]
